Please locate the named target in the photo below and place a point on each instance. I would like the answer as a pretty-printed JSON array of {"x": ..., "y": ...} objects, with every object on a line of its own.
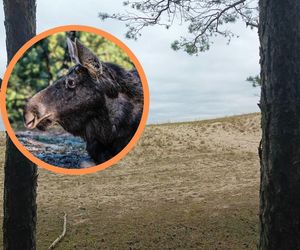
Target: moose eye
[{"x": 70, "y": 84}]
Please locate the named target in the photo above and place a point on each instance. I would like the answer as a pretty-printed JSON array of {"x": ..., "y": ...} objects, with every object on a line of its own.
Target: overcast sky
[{"x": 182, "y": 87}]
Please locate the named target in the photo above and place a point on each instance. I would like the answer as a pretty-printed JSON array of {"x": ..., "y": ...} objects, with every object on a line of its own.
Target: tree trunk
[
  {"x": 19, "y": 223},
  {"x": 279, "y": 32}
]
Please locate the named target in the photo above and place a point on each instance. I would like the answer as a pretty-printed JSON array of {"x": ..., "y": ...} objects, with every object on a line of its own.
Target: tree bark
[
  {"x": 279, "y": 33},
  {"x": 19, "y": 222}
]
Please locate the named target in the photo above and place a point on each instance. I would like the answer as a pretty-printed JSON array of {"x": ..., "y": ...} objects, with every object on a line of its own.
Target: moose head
[
  {"x": 101, "y": 102},
  {"x": 69, "y": 96}
]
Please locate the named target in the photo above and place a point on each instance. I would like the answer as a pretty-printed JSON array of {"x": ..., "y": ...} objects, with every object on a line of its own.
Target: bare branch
[
  {"x": 59, "y": 238},
  {"x": 254, "y": 25}
]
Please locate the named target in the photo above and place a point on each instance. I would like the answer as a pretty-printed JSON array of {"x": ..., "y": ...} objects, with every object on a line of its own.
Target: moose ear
[
  {"x": 89, "y": 60},
  {"x": 72, "y": 51}
]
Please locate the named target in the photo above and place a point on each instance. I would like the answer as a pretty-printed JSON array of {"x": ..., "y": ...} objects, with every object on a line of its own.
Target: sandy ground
[{"x": 184, "y": 186}]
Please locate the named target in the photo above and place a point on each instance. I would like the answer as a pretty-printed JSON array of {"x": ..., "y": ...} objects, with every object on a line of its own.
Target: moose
[{"x": 100, "y": 102}]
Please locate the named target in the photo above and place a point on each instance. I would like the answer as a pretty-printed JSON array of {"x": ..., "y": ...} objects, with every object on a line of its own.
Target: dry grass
[{"x": 184, "y": 186}]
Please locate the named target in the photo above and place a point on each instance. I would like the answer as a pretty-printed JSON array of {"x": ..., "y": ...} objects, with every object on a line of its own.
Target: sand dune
[{"x": 187, "y": 185}]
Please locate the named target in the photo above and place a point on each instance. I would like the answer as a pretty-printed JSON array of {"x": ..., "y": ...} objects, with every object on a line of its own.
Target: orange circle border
[{"x": 23, "y": 149}]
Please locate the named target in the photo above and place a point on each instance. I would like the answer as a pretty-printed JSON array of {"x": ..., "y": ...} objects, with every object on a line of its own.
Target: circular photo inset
[{"x": 74, "y": 99}]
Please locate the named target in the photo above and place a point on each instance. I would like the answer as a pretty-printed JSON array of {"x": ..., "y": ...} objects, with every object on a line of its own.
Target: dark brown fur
[{"x": 104, "y": 110}]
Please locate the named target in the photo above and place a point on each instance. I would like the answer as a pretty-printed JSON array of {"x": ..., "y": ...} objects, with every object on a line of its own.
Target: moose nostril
[{"x": 29, "y": 116}]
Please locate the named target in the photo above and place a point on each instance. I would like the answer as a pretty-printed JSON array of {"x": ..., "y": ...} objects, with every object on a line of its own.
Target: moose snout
[
  {"x": 35, "y": 113},
  {"x": 29, "y": 119},
  {"x": 32, "y": 114}
]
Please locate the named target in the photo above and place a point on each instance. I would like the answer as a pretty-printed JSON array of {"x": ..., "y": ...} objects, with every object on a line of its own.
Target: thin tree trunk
[
  {"x": 279, "y": 33},
  {"x": 19, "y": 223}
]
